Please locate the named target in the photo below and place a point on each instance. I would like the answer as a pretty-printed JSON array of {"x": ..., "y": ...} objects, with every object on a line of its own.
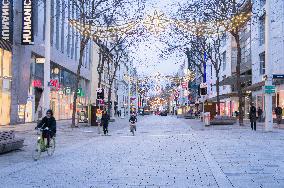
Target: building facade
[
  {"x": 253, "y": 66},
  {"x": 22, "y": 69},
  {"x": 276, "y": 41}
]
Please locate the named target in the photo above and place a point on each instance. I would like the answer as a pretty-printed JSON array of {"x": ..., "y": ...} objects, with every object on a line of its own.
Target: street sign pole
[{"x": 268, "y": 82}]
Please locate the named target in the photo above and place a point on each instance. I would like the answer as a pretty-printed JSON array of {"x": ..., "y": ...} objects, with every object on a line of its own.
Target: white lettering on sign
[
  {"x": 6, "y": 19},
  {"x": 27, "y": 35}
]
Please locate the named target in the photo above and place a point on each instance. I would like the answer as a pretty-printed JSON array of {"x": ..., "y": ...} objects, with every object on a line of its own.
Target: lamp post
[
  {"x": 268, "y": 82},
  {"x": 129, "y": 89},
  {"x": 46, "y": 92}
]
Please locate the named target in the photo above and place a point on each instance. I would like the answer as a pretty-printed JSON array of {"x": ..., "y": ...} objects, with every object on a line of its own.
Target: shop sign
[
  {"x": 80, "y": 92},
  {"x": 184, "y": 85},
  {"x": 55, "y": 84},
  {"x": 27, "y": 22},
  {"x": 40, "y": 60},
  {"x": 68, "y": 91},
  {"x": 37, "y": 83},
  {"x": 6, "y": 18},
  {"x": 278, "y": 76}
]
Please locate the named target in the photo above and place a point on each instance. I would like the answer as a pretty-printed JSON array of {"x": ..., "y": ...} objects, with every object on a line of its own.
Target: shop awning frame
[
  {"x": 6, "y": 45},
  {"x": 254, "y": 87},
  {"x": 231, "y": 80}
]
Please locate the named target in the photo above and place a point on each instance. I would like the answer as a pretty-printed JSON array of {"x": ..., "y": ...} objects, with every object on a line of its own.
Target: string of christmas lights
[{"x": 158, "y": 22}]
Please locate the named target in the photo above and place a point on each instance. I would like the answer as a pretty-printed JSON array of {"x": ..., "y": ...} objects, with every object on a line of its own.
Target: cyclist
[
  {"x": 133, "y": 120},
  {"x": 48, "y": 122}
]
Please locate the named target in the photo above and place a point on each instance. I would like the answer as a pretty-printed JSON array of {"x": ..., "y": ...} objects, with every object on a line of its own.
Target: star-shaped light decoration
[
  {"x": 156, "y": 23},
  {"x": 189, "y": 75}
]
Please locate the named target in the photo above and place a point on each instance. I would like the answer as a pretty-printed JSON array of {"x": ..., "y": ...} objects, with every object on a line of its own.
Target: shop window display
[{"x": 5, "y": 86}]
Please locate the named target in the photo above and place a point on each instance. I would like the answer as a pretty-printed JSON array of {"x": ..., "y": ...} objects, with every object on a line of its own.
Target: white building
[
  {"x": 123, "y": 89},
  {"x": 276, "y": 50}
]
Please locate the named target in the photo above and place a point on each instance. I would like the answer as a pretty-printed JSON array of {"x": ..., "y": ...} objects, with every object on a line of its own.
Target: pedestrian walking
[
  {"x": 259, "y": 114},
  {"x": 252, "y": 117},
  {"x": 278, "y": 112},
  {"x": 105, "y": 120}
]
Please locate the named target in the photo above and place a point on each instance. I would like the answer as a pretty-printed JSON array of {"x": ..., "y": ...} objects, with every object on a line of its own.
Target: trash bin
[{"x": 207, "y": 118}]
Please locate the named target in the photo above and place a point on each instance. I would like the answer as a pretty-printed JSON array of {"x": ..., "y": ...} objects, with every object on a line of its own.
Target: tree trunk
[
  {"x": 218, "y": 93},
  {"x": 83, "y": 43},
  {"x": 99, "y": 69},
  {"x": 239, "y": 87},
  {"x": 109, "y": 100}
]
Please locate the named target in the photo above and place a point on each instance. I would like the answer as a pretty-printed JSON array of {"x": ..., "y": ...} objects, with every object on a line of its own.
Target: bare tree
[
  {"x": 87, "y": 14},
  {"x": 232, "y": 15}
]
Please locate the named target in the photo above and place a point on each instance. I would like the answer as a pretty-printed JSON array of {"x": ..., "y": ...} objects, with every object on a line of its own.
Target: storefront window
[
  {"x": 7, "y": 58},
  {"x": 5, "y": 86}
]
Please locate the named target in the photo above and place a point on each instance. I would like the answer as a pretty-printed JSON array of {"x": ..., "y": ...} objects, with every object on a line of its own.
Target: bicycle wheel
[
  {"x": 51, "y": 149},
  {"x": 37, "y": 151}
]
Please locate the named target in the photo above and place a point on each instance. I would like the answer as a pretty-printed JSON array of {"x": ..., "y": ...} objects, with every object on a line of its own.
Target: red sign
[
  {"x": 37, "y": 83},
  {"x": 184, "y": 85},
  {"x": 55, "y": 84}
]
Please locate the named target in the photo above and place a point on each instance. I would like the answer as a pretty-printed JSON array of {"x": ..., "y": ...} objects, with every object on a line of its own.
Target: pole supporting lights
[
  {"x": 268, "y": 82},
  {"x": 46, "y": 92}
]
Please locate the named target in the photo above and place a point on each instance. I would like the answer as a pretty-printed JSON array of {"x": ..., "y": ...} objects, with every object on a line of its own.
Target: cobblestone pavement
[
  {"x": 65, "y": 138},
  {"x": 166, "y": 152}
]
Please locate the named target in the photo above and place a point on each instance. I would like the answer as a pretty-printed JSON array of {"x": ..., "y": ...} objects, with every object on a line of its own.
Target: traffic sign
[
  {"x": 203, "y": 85},
  {"x": 269, "y": 89},
  {"x": 278, "y": 76}
]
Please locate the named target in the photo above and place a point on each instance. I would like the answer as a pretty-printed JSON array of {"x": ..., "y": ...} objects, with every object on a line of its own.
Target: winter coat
[
  {"x": 132, "y": 119},
  {"x": 278, "y": 111},
  {"x": 48, "y": 122},
  {"x": 252, "y": 114},
  {"x": 105, "y": 119}
]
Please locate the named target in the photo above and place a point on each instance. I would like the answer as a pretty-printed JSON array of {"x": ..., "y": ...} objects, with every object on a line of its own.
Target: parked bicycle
[{"x": 42, "y": 144}]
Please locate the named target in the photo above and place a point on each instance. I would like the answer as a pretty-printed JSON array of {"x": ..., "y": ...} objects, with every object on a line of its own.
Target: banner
[
  {"x": 27, "y": 23},
  {"x": 6, "y": 18}
]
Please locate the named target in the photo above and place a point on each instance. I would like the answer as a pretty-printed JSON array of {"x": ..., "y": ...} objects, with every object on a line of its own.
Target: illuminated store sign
[
  {"x": 27, "y": 23},
  {"x": 6, "y": 18}
]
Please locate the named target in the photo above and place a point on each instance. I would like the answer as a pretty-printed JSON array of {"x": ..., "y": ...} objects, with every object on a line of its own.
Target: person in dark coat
[
  {"x": 105, "y": 120},
  {"x": 252, "y": 117},
  {"x": 259, "y": 114},
  {"x": 48, "y": 122},
  {"x": 278, "y": 112}
]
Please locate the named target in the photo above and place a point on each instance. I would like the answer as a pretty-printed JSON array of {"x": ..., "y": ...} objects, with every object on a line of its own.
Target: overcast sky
[{"x": 147, "y": 53}]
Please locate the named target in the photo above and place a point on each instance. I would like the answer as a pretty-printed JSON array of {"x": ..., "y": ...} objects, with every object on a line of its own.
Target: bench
[
  {"x": 8, "y": 142},
  {"x": 223, "y": 120}
]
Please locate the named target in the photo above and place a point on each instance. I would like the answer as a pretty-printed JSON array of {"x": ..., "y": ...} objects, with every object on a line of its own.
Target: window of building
[
  {"x": 35, "y": 20},
  {"x": 57, "y": 19},
  {"x": 261, "y": 30},
  {"x": 62, "y": 26},
  {"x": 262, "y": 3},
  {"x": 52, "y": 22},
  {"x": 262, "y": 63},
  {"x": 224, "y": 60}
]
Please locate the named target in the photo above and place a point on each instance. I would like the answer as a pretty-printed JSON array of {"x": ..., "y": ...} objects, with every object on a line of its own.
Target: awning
[
  {"x": 6, "y": 45},
  {"x": 254, "y": 87},
  {"x": 224, "y": 96},
  {"x": 231, "y": 80}
]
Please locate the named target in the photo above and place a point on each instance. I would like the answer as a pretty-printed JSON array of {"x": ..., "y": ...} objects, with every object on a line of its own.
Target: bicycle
[
  {"x": 132, "y": 128},
  {"x": 41, "y": 145}
]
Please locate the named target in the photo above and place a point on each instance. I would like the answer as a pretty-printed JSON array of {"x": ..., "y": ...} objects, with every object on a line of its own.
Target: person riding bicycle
[
  {"x": 48, "y": 122},
  {"x": 133, "y": 120}
]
